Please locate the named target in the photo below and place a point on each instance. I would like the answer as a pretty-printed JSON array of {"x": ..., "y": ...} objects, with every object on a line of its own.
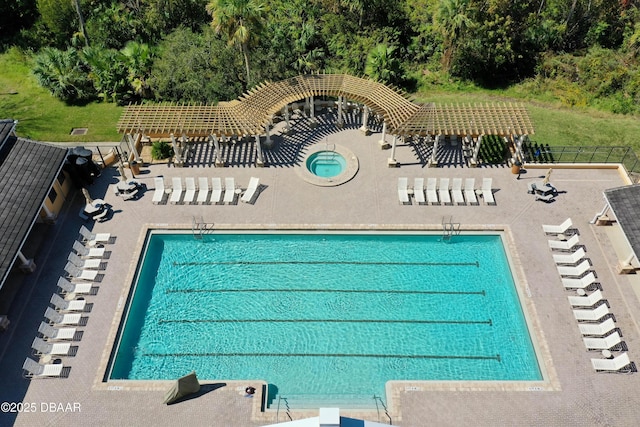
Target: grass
[{"x": 44, "y": 118}]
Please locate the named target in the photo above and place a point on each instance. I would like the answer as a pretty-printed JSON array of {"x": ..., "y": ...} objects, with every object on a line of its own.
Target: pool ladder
[
  {"x": 386, "y": 411},
  {"x": 449, "y": 229},
  {"x": 199, "y": 227}
]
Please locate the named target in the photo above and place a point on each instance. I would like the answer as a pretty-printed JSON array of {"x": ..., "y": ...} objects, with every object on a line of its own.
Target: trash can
[
  {"x": 515, "y": 168},
  {"x": 135, "y": 167}
]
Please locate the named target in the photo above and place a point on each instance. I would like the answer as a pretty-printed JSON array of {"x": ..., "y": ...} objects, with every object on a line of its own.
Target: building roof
[
  {"x": 27, "y": 172},
  {"x": 625, "y": 203}
]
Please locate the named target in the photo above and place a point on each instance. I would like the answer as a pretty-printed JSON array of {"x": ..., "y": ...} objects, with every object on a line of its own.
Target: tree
[
  {"x": 240, "y": 21},
  {"x": 381, "y": 64},
  {"x": 64, "y": 74},
  {"x": 451, "y": 20}
]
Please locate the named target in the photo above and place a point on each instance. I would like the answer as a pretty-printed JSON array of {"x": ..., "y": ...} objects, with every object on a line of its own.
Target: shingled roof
[
  {"x": 625, "y": 203},
  {"x": 27, "y": 172}
]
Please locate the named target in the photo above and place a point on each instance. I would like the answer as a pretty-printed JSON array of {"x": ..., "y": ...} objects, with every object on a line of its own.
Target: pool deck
[{"x": 574, "y": 394}]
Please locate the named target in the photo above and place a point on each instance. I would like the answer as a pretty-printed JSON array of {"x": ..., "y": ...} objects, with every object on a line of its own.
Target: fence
[{"x": 539, "y": 153}]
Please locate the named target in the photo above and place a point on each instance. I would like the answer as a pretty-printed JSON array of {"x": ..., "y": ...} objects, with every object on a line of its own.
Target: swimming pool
[
  {"x": 326, "y": 164},
  {"x": 325, "y": 314}
]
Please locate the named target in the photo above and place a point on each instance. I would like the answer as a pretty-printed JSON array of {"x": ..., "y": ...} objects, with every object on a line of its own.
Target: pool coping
[
  {"x": 393, "y": 388},
  {"x": 350, "y": 170}
]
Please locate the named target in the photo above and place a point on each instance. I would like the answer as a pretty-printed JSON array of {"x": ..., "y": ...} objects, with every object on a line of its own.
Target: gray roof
[
  {"x": 6, "y": 127},
  {"x": 27, "y": 172},
  {"x": 625, "y": 203}
]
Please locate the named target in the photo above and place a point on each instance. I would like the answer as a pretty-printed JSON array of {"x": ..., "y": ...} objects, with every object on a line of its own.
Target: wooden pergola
[{"x": 252, "y": 113}]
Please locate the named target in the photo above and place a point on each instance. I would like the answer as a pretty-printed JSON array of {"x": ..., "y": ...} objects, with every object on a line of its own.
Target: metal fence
[{"x": 540, "y": 153}]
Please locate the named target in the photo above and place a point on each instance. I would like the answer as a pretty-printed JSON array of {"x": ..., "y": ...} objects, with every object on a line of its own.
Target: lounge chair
[
  {"x": 571, "y": 258},
  {"x": 586, "y": 301},
  {"x": 594, "y": 315},
  {"x": 432, "y": 194},
  {"x": 77, "y": 273},
  {"x": 597, "y": 330},
  {"x": 75, "y": 288},
  {"x": 176, "y": 190},
  {"x": 158, "y": 192},
  {"x": 558, "y": 229},
  {"x": 216, "y": 190},
  {"x": 564, "y": 245},
  {"x": 576, "y": 271},
  {"x": 62, "y": 318},
  {"x": 229, "y": 190},
  {"x": 547, "y": 198},
  {"x": 190, "y": 192},
  {"x": 456, "y": 191},
  {"x": 606, "y": 343},
  {"x": 443, "y": 191},
  {"x": 581, "y": 283},
  {"x": 469, "y": 191},
  {"x": 91, "y": 263},
  {"x": 617, "y": 364},
  {"x": 252, "y": 188},
  {"x": 91, "y": 239},
  {"x": 85, "y": 252},
  {"x": 487, "y": 191},
  {"x": 418, "y": 191},
  {"x": 62, "y": 305},
  {"x": 54, "y": 334},
  {"x": 36, "y": 370},
  {"x": 42, "y": 347},
  {"x": 203, "y": 190},
  {"x": 403, "y": 192}
]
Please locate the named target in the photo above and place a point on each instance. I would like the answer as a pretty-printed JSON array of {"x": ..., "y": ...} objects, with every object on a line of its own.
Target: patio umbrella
[
  {"x": 547, "y": 176},
  {"x": 123, "y": 177},
  {"x": 87, "y": 196}
]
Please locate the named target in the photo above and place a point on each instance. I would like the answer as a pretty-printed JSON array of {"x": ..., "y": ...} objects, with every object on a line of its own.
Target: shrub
[{"x": 161, "y": 150}]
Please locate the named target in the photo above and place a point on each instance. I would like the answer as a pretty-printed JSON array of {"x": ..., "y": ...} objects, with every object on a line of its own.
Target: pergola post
[
  {"x": 27, "y": 265},
  {"x": 132, "y": 148},
  {"x": 391, "y": 161},
  {"x": 383, "y": 142},
  {"x": 260, "y": 159},
  {"x": 216, "y": 147},
  {"x": 50, "y": 215},
  {"x": 365, "y": 120},
  {"x": 177, "y": 152},
  {"x": 287, "y": 116},
  {"x": 476, "y": 150},
  {"x": 433, "y": 161},
  {"x": 268, "y": 143},
  {"x": 312, "y": 107},
  {"x": 340, "y": 123}
]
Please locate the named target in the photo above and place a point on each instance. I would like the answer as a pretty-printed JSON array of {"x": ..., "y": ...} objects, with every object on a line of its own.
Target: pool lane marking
[
  {"x": 385, "y": 356},
  {"x": 362, "y": 291},
  {"x": 447, "y": 264},
  {"x": 456, "y": 322}
]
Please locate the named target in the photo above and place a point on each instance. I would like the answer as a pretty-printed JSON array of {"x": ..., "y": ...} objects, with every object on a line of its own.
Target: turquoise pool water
[
  {"x": 326, "y": 164},
  {"x": 320, "y": 315}
]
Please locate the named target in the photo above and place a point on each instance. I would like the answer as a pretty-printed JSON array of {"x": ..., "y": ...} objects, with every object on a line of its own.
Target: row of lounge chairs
[
  {"x": 206, "y": 194},
  {"x": 590, "y": 309},
  {"x": 443, "y": 193},
  {"x": 65, "y": 312}
]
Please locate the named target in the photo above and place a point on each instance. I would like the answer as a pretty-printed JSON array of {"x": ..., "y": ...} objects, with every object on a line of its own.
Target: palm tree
[
  {"x": 240, "y": 21},
  {"x": 61, "y": 72},
  {"x": 381, "y": 65},
  {"x": 451, "y": 20}
]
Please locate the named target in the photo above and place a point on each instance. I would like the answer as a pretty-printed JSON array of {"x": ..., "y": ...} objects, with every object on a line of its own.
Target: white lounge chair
[
  {"x": 248, "y": 195},
  {"x": 576, "y": 271},
  {"x": 216, "y": 190},
  {"x": 617, "y": 364},
  {"x": 229, "y": 191},
  {"x": 418, "y": 191},
  {"x": 62, "y": 305},
  {"x": 42, "y": 347},
  {"x": 571, "y": 258},
  {"x": 597, "y": 330},
  {"x": 487, "y": 191},
  {"x": 203, "y": 190},
  {"x": 36, "y": 370},
  {"x": 456, "y": 191},
  {"x": 75, "y": 288},
  {"x": 190, "y": 192},
  {"x": 77, "y": 273},
  {"x": 558, "y": 229},
  {"x": 592, "y": 315},
  {"x": 54, "y": 334},
  {"x": 62, "y": 318},
  {"x": 586, "y": 301},
  {"x": 176, "y": 190},
  {"x": 606, "y": 343},
  {"x": 564, "y": 245},
  {"x": 443, "y": 191},
  {"x": 92, "y": 239},
  {"x": 580, "y": 283},
  {"x": 158, "y": 192},
  {"x": 432, "y": 194},
  {"x": 403, "y": 192},
  {"x": 90, "y": 263},
  {"x": 86, "y": 252},
  {"x": 469, "y": 191}
]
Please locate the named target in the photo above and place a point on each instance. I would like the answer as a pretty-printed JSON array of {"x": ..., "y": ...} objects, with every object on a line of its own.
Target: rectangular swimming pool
[{"x": 325, "y": 314}]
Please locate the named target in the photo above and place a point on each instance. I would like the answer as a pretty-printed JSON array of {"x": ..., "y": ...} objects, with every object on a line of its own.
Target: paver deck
[{"x": 578, "y": 395}]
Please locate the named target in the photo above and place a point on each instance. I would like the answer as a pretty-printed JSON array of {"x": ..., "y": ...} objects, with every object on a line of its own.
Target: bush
[{"x": 161, "y": 150}]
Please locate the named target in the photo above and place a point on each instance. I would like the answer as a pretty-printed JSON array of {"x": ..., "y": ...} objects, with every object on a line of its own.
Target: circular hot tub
[{"x": 328, "y": 165}]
